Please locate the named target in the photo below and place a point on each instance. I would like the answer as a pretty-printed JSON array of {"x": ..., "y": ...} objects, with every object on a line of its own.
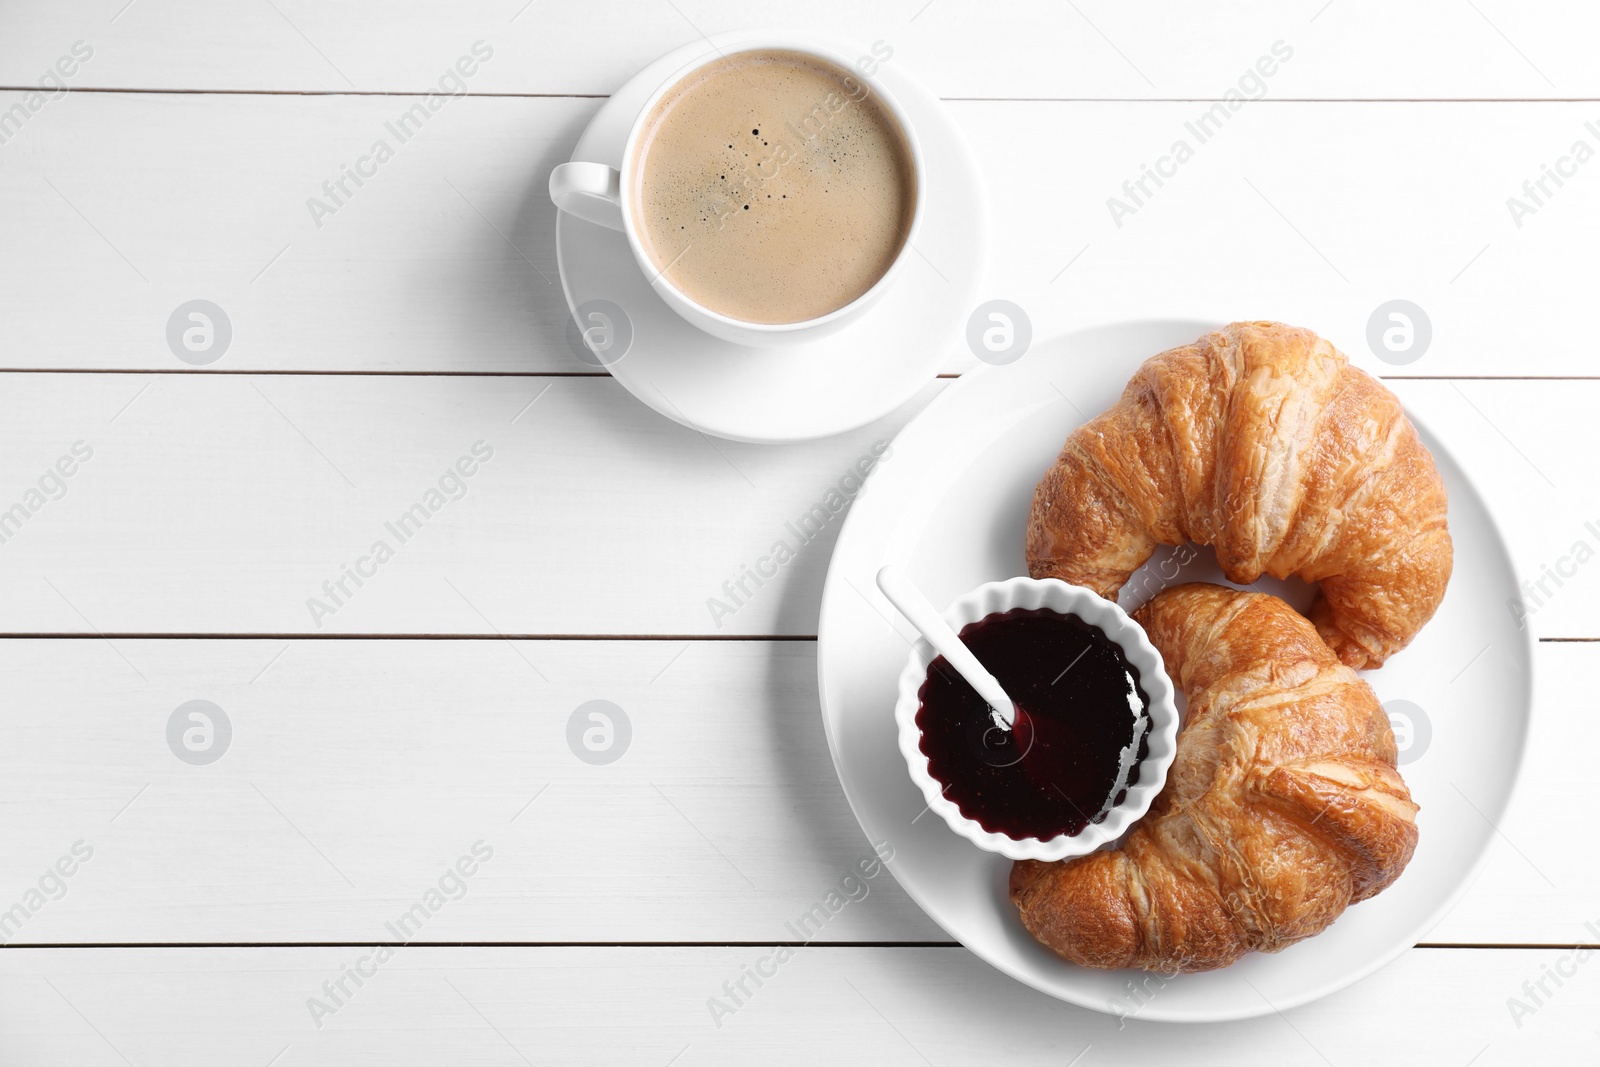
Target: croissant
[
  {"x": 1283, "y": 805},
  {"x": 1261, "y": 440}
]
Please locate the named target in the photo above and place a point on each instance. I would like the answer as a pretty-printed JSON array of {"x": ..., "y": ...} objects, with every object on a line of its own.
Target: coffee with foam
[{"x": 773, "y": 186}]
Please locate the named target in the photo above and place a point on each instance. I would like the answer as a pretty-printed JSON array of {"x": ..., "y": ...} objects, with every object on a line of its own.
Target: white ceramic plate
[
  {"x": 797, "y": 391},
  {"x": 948, "y": 502}
]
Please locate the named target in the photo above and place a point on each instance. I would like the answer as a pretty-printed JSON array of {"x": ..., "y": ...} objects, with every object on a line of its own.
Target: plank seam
[
  {"x": 181, "y": 945},
  {"x": 201, "y": 636},
  {"x": 306, "y": 373},
  {"x": 107, "y": 636},
  {"x": 109, "y": 90}
]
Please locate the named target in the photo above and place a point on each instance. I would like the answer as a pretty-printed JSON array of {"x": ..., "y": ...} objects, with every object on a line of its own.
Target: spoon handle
[{"x": 910, "y": 602}]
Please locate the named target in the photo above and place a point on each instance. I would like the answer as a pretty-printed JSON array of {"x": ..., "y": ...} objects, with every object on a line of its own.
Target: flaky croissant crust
[
  {"x": 1283, "y": 805},
  {"x": 1261, "y": 440}
]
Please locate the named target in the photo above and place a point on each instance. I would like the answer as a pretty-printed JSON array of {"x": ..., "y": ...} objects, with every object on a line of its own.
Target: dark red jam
[{"x": 1081, "y": 710}]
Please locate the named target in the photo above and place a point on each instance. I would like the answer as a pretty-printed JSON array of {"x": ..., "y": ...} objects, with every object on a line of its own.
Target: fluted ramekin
[{"x": 1033, "y": 593}]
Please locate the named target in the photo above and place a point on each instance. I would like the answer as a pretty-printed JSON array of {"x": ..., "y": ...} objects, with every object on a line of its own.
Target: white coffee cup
[{"x": 599, "y": 193}]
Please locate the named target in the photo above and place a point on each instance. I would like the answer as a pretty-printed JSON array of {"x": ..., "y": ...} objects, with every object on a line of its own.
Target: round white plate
[
  {"x": 806, "y": 390},
  {"x": 948, "y": 502}
]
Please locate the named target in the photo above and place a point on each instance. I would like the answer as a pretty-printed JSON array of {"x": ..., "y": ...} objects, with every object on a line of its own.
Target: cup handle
[{"x": 591, "y": 191}]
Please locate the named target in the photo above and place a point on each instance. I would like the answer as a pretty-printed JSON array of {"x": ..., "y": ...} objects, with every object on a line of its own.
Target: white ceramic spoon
[{"x": 910, "y": 602}]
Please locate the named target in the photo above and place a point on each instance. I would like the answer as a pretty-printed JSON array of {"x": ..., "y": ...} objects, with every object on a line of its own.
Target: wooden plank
[
  {"x": 593, "y": 514},
  {"x": 222, "y": 504},
  {"x": 630, "y": 1006},
  {"x": 445, "y": 259},
  {"x": 1024, "y": 49},
  {"x": 357, "y": 772}
]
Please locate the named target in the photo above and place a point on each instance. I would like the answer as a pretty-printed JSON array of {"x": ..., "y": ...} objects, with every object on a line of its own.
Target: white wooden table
[{"x": 211, "y": 907}]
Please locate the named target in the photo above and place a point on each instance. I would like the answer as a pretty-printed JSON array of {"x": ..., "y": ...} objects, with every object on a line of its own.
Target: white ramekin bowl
[{"x": 1058, "y": 596}]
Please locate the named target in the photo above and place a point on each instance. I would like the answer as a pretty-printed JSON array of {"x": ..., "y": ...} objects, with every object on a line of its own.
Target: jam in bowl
[{"x": 1095, "y": 728}]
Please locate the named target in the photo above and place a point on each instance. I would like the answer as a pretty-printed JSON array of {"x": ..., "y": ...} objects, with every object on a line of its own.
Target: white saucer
[
  {"x": 800, "y": 391},
  {"x": 951, "y": 509}
]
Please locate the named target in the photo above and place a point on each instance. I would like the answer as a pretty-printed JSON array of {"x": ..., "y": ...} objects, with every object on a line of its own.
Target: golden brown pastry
[
  {"x": 1283, "y": 805},
  {"x": 1263, "y": 441}
]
